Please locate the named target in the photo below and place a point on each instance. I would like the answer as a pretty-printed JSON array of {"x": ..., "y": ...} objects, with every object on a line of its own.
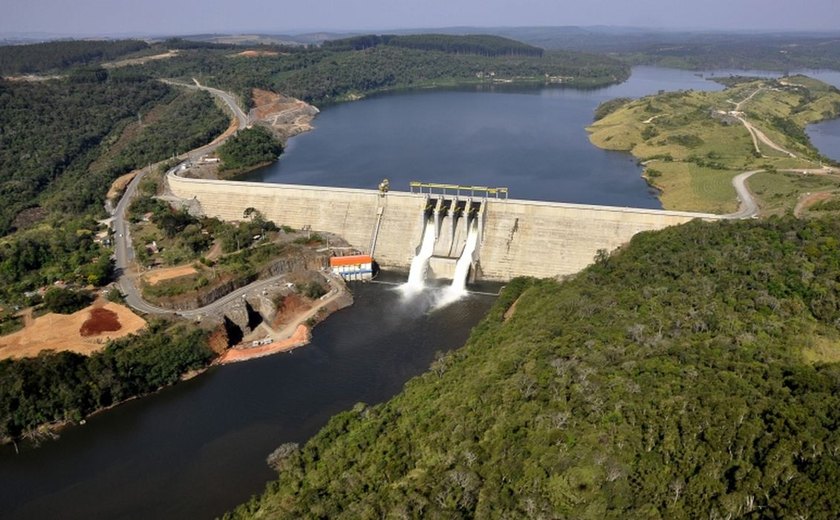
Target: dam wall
[
  {"x": 518, "y": 237},
  {"x": 352, "y": 214}
]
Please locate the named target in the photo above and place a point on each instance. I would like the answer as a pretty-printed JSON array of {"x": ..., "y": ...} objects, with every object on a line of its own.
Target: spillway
[
  {"x": 462, "y": 269},
  {"x": 417, "y": 271}
]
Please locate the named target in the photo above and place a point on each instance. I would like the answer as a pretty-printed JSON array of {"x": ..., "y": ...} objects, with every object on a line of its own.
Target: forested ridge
[
  {"x": 358, "y": 66},
  {"x": 693, "y": 374},
  {"x": 51, "y": 130},
  {"x": 57, "y": 55},
  {"x": 480, "y": 44}
]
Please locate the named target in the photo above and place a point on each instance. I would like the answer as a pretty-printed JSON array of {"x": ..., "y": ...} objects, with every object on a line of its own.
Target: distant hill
[
  {"x": 55, "y": 55},
  {"x": 478, "y": 44}
]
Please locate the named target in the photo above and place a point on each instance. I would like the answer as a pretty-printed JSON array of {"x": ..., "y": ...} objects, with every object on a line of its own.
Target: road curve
[
  {"x": 748, "y": 207},
  {"x": 228, "y": 98},
  {"x": 123, "y": 249}
]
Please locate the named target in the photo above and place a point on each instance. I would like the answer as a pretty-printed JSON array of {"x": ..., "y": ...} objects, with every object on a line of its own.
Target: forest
[
  {"x": 248, "y": 148},
  {"x": 691, "y": 374},
  {"x": 480, "y": 44},
  {"x": 327, "y": 75},
  {"x": 695, "y": 50},
  {"x": 58, "y": 55},
  {"x": 49, "y": 137},
  {"x": 65, "y": 386},
  {"x": 61, "y": 249}
]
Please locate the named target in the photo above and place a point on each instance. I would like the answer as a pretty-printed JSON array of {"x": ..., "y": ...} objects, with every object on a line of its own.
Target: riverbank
[{"x": 298, "y": 329}]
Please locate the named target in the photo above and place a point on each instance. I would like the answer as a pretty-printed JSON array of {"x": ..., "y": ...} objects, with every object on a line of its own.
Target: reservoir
[
  {"x": 198, "y": 449},
  {"x": 825, "y": 137},
  {"x": 533, "y": 141}
]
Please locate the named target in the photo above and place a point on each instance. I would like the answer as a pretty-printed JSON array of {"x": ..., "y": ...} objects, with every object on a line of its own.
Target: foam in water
[
  {"x": 417, "y": 272},
  {"x": 458, "y": 289}
]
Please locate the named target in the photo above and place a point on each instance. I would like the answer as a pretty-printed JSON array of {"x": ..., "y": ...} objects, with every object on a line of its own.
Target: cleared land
[
  {"x": 85, "y": 331},
  {"x": 693, "y": 143},
  {"x": 140, "y": 60},
  {"x": 120, "y": 184},
  {"x": 256, "y": 54},
  {"x": 159, "y": 275},
  {"x": 286, "y": 116}
]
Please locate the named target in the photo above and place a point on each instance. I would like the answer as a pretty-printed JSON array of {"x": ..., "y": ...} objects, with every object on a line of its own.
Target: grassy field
[
  {"x": 779, "y": 192},
  {"x": 692, "y": 144}
]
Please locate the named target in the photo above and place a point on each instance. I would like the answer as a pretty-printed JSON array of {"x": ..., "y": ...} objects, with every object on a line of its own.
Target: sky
[{"x": 167, "y": 17}]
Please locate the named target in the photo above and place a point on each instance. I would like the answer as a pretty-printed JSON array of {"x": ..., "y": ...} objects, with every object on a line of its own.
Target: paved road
[
  {"x": 124, "y": 251},
  {"x": 748, "y": 207}
]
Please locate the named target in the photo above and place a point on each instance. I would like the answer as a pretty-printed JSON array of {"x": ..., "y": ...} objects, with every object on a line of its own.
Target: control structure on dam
[{"x": 449, "y": 226}]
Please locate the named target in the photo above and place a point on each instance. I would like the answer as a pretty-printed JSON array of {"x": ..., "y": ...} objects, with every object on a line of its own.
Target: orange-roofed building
[{"x": 355, "y": 267}]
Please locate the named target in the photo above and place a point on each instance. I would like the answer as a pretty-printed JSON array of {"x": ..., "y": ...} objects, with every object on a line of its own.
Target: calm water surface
[
  {"x": 825, "y": 137},
  {"x": 533, "y": 141},
  {"x": 199, "y": 448}
]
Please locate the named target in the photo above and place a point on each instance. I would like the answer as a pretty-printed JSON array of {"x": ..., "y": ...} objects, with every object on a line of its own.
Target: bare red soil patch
[
  {"x": 101, "y": 320},
  {"x": 292, "y": 305}
]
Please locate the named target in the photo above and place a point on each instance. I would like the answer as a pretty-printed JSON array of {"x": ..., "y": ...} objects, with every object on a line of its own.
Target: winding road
[
  {"x": 123, "y": 248},
  {"x": 748, "y": 207}
]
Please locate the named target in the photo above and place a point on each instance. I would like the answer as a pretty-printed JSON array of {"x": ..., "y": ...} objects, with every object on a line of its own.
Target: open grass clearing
[
  {"x": 692, "y": 145},
  {"x": 778, "y": 192}
]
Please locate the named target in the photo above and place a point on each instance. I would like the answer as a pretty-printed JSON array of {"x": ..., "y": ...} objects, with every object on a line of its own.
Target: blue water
[
  {"x": 825, "y": 137},
  {"x": 533, "y": 141}
]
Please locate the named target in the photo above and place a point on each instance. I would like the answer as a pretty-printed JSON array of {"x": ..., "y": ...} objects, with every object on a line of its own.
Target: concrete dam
[{"x": 512, "y": 237}]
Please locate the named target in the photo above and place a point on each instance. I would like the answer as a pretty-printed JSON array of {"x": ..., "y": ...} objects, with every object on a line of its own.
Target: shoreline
[
  {"x": 301, "y": 327},
  {"x": 298, "y": 332}
]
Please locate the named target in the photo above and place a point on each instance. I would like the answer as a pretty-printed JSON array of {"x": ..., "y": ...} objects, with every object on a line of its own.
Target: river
[{"x": 197, "y": 449}]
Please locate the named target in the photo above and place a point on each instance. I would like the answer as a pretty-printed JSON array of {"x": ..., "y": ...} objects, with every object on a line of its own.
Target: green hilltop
[
  {"x": 692, "y": 374},
  {"x": 693, "y": 143}
]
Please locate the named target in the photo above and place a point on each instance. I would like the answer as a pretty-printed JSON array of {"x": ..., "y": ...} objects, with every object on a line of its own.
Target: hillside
[
  {"x": 56, "y": 56},
  {"x": 480, "y": 44},
  {"x": 693, "y": 143},
  {"x": 352, "y": 68},
  {"x": 693, "y": 374}
]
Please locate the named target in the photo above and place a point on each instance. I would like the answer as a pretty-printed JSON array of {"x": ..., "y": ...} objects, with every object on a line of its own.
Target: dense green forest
[
  {"x": 59, "y": 249},
  {"x": 480, "y": 44},
  {"x": 692, "y": 374},
  {"x": 65, "y": 386},
  {"x": 50, "y": 134},
  {"x": 57, "y": 55},
  {"x": 191, "y": 120},
  {"x": 771, "y": 53},
  {"x": 248, "y": 148},
  {"x": 324, "y": 75}
]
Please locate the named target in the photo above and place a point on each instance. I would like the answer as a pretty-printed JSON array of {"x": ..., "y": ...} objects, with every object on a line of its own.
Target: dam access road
[{"x": 123, "y": 249}]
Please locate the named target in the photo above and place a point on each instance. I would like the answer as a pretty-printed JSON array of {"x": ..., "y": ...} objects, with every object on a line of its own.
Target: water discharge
[
  {"x": 417, "y": 272},
  {"x": 458, "y": 288}
]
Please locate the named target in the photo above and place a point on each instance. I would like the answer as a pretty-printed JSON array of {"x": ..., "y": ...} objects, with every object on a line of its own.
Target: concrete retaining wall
[{"x": 520, "y": 237}]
